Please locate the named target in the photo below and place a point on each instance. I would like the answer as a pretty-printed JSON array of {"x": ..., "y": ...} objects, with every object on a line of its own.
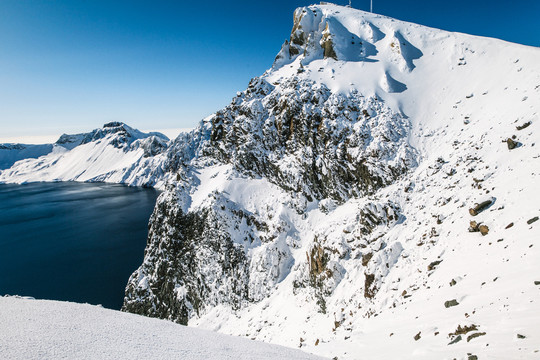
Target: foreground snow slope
[
  {"x": 41, "y": 329},
  {"x": 115, "y": 153},
  {"x": 327, "y": 207}
]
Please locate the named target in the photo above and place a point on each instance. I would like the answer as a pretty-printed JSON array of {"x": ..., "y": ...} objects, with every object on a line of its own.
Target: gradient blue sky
[{"x": 72, "y": 65}]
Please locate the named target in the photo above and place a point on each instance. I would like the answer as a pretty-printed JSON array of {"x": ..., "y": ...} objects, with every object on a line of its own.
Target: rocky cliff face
[
  {"x": 309, "y": 144},
  {"x": 305, "y": 139}
]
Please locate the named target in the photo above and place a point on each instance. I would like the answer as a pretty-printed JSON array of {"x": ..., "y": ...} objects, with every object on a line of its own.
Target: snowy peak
[
  {"x": 348, "y": 49},
  {"x": 119, "y": 134},
  {"x": 340, "y": 33}
]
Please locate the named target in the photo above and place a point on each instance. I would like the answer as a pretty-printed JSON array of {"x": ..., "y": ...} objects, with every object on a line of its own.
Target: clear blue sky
[{"x": 72, "y": 65}]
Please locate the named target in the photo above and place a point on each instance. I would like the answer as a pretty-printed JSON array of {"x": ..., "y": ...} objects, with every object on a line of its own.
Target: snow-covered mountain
[
  {"x": 327, "y": 207},
  {"x": 372, "y": 195},
  {"x": 115, "y": 153}
]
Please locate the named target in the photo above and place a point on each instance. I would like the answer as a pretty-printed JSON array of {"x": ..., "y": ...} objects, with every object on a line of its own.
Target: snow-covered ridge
[
  {"x": 113, "y": 153},
  {"x": 39, "y": 329}
]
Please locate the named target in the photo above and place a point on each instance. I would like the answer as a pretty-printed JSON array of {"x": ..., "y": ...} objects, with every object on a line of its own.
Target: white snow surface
[{"x": 43, "y": 329}]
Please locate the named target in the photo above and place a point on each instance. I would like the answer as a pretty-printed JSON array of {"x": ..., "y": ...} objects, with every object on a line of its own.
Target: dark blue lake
[{"x": 72, "y": 241}]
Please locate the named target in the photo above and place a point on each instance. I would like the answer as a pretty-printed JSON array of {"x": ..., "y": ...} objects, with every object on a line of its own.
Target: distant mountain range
[{"x": 114, "y": 153}]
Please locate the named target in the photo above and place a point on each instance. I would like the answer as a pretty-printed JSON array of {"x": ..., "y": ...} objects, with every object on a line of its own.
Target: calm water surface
[{"x": 72, "y": 241}]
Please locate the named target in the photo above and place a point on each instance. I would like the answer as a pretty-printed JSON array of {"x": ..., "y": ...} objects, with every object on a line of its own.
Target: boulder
[
  {"x": 450, "y": 303},
  {"x": 478, "y": 208}
]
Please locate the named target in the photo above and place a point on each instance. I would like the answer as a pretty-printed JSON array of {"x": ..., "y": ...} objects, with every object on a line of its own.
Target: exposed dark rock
[
  {"x": 525, "y": 125},
  {"x": 122, "y": 131},
  {"x": 369, "y": 289},
  {"x": 519, "y": 336},
  {"x": 478, "y": 227},
  {"x": 113, "y": 124},
  {"x": 461, "y": 330},
  {"x": 327, "y": 44},
  {"x": 175, "y": 285},
  {"x": 366, "y": 258},
  {"x": 319, "y": 273},
  {"x": 478, "y": 208},
  {"x": 373, "y": 215},
  {"x": 472, "y": 357},
  {"x": 153, "y": 146},
  {"x": 417, "y": 336},
  {"x": 473, "y": 226},
  {"x": 534, "y": 219},
  {"x": 484, "y": 229},
  {"x": 433, "y": 265},
  {"x": 475, "y": 335},
  {"x": 456, "y": 340},
  {"x": 453, "y": 282},
  {"x": 511, "y": 144},
  {"x": 317, "y": 261},
  {"x": 509, "y": 225},
  {"x": 12, "y": 147},
  {"x": 450, "y": 303}
]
